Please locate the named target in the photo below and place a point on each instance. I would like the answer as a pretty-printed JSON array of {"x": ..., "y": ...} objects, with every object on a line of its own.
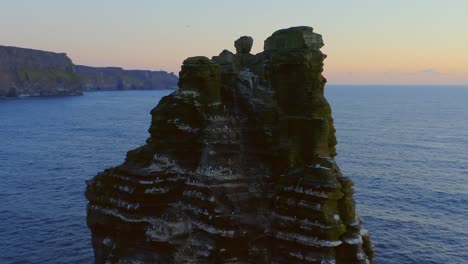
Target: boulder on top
[{"x": 243, "y": 44}]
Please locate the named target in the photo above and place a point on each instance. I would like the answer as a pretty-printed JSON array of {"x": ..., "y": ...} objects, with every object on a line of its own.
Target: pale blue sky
[{"x": 412, "y": 41}]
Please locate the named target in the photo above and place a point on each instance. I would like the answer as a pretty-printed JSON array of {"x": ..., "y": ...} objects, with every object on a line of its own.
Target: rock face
[
  {"x": 27, "y": 72},
  {"x": 112, "y": 78},
  {"x": 239, "y": 168}
]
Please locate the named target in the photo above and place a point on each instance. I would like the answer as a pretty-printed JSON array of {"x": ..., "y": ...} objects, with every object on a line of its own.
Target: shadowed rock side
[{"x": 239, "y": 168}]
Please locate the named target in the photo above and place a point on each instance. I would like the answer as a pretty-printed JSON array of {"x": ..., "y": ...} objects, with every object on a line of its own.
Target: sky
[{"x": 367, "y": 41}]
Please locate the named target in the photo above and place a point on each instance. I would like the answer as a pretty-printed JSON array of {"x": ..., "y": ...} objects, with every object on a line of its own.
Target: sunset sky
[{"x": 367, "y": 41}]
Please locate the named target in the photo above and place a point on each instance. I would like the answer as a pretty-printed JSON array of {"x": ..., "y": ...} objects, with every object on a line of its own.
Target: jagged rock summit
[{"x": 239, "y": 168}]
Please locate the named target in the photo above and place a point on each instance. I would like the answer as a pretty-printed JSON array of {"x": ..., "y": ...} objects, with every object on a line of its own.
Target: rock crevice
[{"x": 239, "y": 168}]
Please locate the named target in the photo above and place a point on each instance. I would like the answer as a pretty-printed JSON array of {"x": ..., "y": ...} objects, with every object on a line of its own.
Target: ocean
[{"x": 405, "y": 147}]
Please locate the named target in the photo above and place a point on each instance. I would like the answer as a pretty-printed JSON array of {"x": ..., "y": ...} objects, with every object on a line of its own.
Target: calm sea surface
[{"x": 406, "y": 148}]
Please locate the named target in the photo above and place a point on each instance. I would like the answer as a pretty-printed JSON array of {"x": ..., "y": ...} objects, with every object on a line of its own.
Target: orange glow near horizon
[{"x": 367, "y": 42}]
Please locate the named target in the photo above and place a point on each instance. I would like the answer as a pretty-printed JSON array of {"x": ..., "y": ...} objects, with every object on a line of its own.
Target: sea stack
[{"x": 239, "y": 168}]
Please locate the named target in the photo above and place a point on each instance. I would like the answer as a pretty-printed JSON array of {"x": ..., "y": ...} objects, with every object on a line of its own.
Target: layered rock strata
[{"x": 239, "y": 168}]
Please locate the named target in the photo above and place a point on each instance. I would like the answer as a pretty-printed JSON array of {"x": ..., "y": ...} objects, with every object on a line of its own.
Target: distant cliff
[
  {"x": 113, "y": 78},
  {"x": 28, "y": 72}
]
